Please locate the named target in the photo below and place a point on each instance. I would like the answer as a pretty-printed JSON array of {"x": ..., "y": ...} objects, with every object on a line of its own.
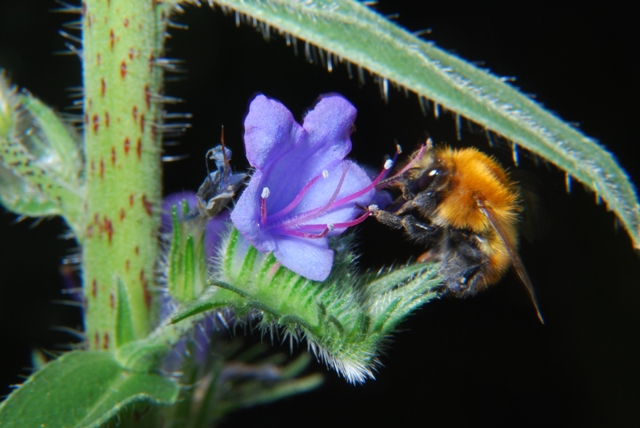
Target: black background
[{"x": 470, "y": 362}]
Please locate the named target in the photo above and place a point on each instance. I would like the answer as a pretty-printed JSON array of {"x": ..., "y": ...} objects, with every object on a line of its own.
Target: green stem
[{"x": 121, "y": 40}]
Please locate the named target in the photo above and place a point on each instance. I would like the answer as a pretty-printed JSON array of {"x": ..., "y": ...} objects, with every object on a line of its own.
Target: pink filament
[
  {"x": 364, "y": 190},
  {"x": 286, "y": 210},
  {"x": 343, "y": 224},
  {"x": 320, "y": 210},
  {"x": 326, "y": 207},
  {"x": 412, "y": 162},
  {"x": 294, "y": 226},
  {"x": 300, "y": 234},
  {"x": 263, "y": 211}
]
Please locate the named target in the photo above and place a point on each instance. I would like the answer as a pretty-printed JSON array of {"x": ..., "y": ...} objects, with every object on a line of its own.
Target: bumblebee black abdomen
[{"x": 462, "y": 264}]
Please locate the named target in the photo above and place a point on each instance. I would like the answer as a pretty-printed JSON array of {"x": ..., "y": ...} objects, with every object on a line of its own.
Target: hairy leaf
[
  {"x": 346, "y": 30},
  {"x": 82, "y": 389}
]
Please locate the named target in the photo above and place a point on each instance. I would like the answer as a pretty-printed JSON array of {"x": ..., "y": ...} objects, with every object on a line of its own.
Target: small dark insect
[
  {"x": 220, "y": 186},
  {"x": 463, "y": 207}
]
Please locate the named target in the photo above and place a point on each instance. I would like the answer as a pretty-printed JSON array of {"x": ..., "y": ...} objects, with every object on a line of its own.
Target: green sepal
[
  {"x": 187, "y": 268},
  {"x": 82, "y": 389},
  {"x": 41, "y": 167}
]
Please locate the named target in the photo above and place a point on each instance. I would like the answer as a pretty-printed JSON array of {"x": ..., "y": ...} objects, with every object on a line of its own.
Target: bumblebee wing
[
  {"x": 513, "y": 255},
  {"x": 534, "y": 218}
]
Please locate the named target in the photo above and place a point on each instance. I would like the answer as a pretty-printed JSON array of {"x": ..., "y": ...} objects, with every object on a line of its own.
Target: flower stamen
[
  {"x": 385, "y": 170},
  {"x": 344, "y": 224},
  {"x": 297, "y": 233},
  {"x": 320, "y": 210},
  {"x": 263, "y": 205},
  {"x": 286, "y": 210},
  {"x": 286, "y": 227},
  {"x": 416, "y": 158}
]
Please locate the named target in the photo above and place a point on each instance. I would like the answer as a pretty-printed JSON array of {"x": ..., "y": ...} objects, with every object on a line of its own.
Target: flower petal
[
  {"x": 323, "y": 143},
  {"x": 309, "y": 258},
  {"x": 246, "y": 215},
  {"x": 329, "y": 126},
  {"x": 269, "y": 131}
]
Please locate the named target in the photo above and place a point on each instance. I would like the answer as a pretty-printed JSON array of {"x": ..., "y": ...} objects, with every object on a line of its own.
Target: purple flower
[{"x": 303, "y": 190}]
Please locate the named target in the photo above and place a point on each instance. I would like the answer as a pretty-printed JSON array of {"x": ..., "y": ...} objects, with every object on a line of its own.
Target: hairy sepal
[
  {"x": 344, "y": 320},
  {"x": 186, "y": 262}
]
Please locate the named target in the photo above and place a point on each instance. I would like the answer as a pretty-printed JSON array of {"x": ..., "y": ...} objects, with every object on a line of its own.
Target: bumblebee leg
[
  {"x": 418, "y": 231},
  {"x": 424, "y": 202},
  {"x": 387, "y": 218}
]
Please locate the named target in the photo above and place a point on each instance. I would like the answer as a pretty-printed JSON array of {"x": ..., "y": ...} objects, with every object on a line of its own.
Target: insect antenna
[
  {"x": 224, "y": 150},
  {"x": 414, "y": 159}
]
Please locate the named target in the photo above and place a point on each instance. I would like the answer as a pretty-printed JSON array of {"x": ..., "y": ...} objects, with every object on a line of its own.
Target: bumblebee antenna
[{"x": 414, "y": 159}]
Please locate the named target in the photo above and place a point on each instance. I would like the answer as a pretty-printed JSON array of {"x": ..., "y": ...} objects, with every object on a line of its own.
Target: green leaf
[
  {"x": 82, "y": 389},
  {"x": 40, "y": 160},
  {"x": 346, "y": 30}
]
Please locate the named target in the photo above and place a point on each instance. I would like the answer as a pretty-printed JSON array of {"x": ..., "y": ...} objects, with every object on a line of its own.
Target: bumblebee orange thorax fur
[{"x": 475, "y": 178}]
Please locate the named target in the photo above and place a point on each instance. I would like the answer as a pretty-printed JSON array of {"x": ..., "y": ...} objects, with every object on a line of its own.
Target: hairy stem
[{"x": 122, "y": 115}]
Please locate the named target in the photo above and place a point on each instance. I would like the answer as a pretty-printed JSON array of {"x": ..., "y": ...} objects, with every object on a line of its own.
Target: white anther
[
  {"x": 265, "y": 193},
  {"x": 373, "y": 207},
  {"x": 325, "y": 173},
  {"x": 330, "y": 227},
  {"x": 388, "y": 164}
]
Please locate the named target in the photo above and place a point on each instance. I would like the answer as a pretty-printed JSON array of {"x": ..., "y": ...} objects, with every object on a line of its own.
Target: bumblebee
[{"x": 464, "y": 208}]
